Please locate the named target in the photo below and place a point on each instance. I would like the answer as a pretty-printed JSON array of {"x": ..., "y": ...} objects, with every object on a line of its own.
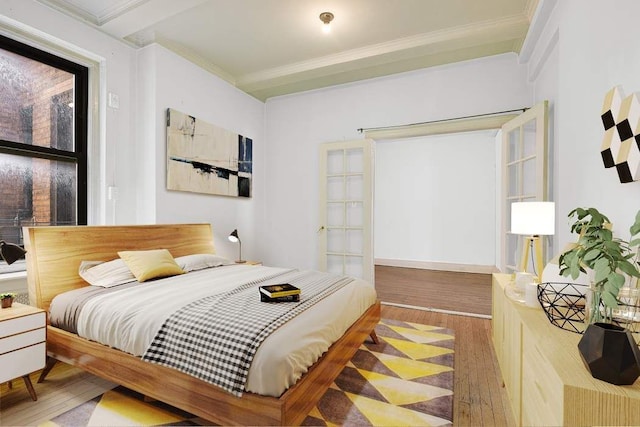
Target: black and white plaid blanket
[{"x": 216, "y": 338}]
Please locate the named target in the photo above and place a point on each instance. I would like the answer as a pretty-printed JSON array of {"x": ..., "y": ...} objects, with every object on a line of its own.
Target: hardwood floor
[
  {"x": 65, "y": 388},
  {"x": 441, "y": 290},
  {"x": 479, "y": 397}
]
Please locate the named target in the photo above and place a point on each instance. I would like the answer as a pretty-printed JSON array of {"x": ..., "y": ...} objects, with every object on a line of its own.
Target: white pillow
[
  {"x": 106, "y": 274},
  {"x": 200, "y": 261}
]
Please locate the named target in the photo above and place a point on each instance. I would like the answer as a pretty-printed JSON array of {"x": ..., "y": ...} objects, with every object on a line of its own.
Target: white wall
[
  {"x": 435, "y": 199},
  {"x": 166, "y": 80},
  {"x": 113, "y": 156},
  {"x": 597, "y": 48},
  {"x": 297, "y": 124}
]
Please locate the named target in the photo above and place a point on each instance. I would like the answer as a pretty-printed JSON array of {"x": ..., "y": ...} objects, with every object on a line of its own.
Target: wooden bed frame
[{"x": 53, "y": 258}]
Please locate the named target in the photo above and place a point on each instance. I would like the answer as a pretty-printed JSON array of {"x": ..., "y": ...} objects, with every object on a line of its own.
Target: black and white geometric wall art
[
  {"x": 621, "y": 143},
  {"x": 204, "y": 158}
]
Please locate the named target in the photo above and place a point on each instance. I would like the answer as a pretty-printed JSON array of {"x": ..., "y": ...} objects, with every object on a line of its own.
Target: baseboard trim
[
  {"x": 437, "y": 310},
  {"x": 442, "y": 266}
]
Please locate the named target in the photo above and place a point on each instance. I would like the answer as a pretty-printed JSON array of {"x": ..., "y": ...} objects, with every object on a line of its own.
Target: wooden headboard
[{"x": 54, "y": 253}]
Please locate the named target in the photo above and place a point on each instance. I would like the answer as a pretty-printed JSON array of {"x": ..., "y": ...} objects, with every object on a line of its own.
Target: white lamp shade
[
  {"x": 233, "y": 237},
  {"x": 533, "y": 218}
]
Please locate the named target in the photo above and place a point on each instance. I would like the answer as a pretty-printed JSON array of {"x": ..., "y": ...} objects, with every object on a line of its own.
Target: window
[{"x": 43, "y": 141}]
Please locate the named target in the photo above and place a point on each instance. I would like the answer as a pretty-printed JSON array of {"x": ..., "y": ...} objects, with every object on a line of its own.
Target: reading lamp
[
  {"x": 11, "y": 252},
  {"x": 233, "y": 237},
  {"x": 533, "y": 219}
]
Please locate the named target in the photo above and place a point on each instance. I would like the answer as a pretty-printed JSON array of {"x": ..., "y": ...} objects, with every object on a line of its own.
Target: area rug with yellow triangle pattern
[{"x": 406, "y": 379}]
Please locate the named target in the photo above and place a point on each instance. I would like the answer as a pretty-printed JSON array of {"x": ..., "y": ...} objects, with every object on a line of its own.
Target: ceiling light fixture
[{"x": 326, "y": 18}]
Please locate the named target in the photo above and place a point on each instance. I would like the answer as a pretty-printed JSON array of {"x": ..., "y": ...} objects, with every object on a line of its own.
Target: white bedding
[{"x": 129, "y": 319}]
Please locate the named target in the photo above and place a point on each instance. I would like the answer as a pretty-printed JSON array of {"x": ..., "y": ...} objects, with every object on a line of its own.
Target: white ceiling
[{"x": 274, "y": 47}]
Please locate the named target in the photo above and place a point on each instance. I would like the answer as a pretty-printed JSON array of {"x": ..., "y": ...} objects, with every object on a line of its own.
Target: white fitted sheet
[{"x": 129, "y": 320}]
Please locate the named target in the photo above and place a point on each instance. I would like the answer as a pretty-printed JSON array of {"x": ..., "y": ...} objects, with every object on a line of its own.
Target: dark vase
[
  {"x": 610, "y": 353},
  {"x": 6, "y": 302}
]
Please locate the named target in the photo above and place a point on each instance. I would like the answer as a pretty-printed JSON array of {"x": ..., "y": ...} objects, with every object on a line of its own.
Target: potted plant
[
  {"x": 607, "y": 258},
  {"x": 608, "y": 351},
  {"x": 7, "y": 299}
]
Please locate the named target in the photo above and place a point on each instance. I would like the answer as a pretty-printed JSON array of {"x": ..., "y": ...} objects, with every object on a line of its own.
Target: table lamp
[
  {"x": 233, "y": 237},
  {"x": 11, "y": 252},
  {"x": 533, "y": 219}
]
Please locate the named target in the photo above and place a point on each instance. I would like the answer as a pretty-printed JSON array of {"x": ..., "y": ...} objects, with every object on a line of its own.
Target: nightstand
[{"x": 23, "y": 336}]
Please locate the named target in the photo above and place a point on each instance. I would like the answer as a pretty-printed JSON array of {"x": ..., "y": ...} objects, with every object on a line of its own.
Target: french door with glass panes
[
  {"x": 524, "y": 175},
  {"x": 346, "y": 208}
]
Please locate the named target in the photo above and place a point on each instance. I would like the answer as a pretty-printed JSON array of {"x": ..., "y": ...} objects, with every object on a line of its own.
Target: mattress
[{"x": 127, "y": 318}]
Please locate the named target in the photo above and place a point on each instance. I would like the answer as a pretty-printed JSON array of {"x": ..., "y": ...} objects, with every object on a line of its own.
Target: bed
[{"x": 53, "y": 257}]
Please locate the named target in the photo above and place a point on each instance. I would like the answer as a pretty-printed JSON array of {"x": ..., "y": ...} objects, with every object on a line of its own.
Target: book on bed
[
  {"x": 288, "y": 298},
  {"x": 279, "y": 290}
]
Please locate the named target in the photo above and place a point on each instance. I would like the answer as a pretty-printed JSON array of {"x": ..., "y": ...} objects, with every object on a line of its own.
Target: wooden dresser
[
  {"x": 22, "y": 343},
  {"x": 545, "y": 378}
]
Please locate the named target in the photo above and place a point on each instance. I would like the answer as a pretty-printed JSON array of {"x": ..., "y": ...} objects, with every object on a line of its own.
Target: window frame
[{"x": 79, "y": 155}]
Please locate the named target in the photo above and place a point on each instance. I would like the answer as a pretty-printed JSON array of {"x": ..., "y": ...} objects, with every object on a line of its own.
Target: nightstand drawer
[
  {"x": 20, "y": 324},
  {"x": 22, "y": 362},
  {"x": 22, "y": 340}
]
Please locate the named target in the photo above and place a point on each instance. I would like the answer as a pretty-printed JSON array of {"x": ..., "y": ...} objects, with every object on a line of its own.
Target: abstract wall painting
[
  {"x": 203, "y": 158},
  {"x": 621, "y": 143}
]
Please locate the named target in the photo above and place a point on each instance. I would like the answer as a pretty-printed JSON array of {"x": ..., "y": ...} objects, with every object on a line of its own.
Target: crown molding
[
  {"x": 105, "y": 15},
  {"x": 508, "y": 25},
  {"x": 530, "y": 9},
  {"x": 196, "y": 59},
  {"x": 70, "y": 10},
  {"x": 539, "y": 21},
  {"x": 118, "y": 10}
]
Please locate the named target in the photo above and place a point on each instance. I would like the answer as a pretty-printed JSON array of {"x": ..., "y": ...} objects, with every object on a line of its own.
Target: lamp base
[
  {"x": 240, "y": 261},
  {"x": 535, "y": 243}
]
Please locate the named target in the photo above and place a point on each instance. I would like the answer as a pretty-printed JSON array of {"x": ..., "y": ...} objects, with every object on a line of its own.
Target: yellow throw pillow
[{"x": 153, "y": 264}]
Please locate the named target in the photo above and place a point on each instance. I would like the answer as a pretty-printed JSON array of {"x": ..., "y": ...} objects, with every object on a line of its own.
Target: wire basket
[{"x": 564, "y": 304}]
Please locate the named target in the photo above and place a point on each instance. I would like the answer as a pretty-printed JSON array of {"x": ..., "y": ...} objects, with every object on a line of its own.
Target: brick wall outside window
[{"x": 32, "y": 88}]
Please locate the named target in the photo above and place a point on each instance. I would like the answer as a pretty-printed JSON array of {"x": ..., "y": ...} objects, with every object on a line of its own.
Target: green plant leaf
[
  {"x": 629, "y": 268},
  {"x": 575, "y": 267},
  {"x": 591, "y": 254},
  {"x": 561, "y": 258},
  {"x": 602, "y": 269},
  {"x": 615, "y": 281},
  {"x": 609, "y": 300},
  {"x": 605, "y": 234},
  {"x": 635, "y": 228}
]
